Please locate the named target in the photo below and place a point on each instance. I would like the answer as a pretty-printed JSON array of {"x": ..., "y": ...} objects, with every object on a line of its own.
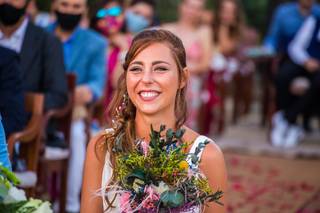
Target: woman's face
[
  {"x": 228, "y": 13},
  {"x": 192, "y": 9},
  {"x": 153, "y": 80},
  {"x": 113, "y": 21},
  {"x": 143, "y": 10}
]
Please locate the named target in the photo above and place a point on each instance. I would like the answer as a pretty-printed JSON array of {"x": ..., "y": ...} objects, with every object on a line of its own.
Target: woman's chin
[{"x": 148, "y": 111}]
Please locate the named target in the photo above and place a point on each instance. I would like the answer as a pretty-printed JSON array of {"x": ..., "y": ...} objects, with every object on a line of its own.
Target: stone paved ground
[{"x": 250, "y": 161}]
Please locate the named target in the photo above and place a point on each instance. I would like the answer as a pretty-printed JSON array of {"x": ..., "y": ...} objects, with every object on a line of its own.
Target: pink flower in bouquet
[
  {"x": 151, "y": 198},
  {"x": 190, "y": 173},
  {"x": 125, "y": 201},
  {"x": 145, "y": 147}
]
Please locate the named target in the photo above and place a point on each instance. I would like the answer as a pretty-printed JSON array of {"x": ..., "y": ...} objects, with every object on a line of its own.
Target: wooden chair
[
  {"x": 95, "y": 112},
  {"x": 213, "y": 112},
  {"x": 55, "y": 168},
  {"x": 244, "y": 78},
  {"x": 242, "y": 95},
  {"x": 222, "y": 87},
  {"x": 29, "y": 139}
]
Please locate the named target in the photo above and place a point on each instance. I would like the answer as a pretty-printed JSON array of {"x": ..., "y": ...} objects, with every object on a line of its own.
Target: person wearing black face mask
[
  {"x": 68, "y": 22},
  {"x": 84, "y": 55},
  {"x": 41, "y": 56},
  {"x": 9, "y": 14},
  {"x": 40, "y": 53}
]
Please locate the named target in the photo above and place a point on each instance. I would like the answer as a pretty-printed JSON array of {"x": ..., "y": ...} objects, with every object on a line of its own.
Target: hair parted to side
[{"x": 123, "y": 118}]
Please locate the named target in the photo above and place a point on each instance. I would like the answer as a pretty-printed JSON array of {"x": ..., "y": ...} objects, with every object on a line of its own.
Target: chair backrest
[
  {"x": 63, "y": 116},
  {"x": 65, "y": 121},
  {"x": 29, "y": 137}
]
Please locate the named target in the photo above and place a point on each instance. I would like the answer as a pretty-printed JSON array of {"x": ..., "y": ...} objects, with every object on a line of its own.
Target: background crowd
[{"x": 40, "y": 51}]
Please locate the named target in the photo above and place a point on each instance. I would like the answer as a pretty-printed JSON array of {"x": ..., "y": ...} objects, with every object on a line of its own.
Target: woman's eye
[
  {"x": 135, "y": 69},
  {"x": 161, "y": 69}
]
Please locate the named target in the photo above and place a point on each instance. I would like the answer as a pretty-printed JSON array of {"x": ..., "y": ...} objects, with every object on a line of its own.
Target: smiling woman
[{"x": 151, "y": 92}]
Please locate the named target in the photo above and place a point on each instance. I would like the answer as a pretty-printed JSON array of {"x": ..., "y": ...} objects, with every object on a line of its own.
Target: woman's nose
[{"x": 147, "y": 77}]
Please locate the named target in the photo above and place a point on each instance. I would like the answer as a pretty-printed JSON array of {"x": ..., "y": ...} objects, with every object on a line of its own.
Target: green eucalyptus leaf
[
  {"x": 162, "y": 127},
  {"x": 179, "y": 133},
  {"x": 169, "y": 135},
  {"x": 6, "y": 173},
  {"x": 172, "y": 199},
  {"x": 136, "y": 174}
]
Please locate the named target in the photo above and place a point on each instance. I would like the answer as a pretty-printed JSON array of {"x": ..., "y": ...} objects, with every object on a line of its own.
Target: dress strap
[{"x": 196, "y": 151}]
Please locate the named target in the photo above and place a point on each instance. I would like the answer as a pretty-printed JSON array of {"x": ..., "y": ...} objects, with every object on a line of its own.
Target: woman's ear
[{"x": 184, "y": 77}]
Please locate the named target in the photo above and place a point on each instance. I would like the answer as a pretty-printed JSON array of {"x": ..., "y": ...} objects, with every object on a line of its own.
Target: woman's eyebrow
[
  {"x": 136, "y": 62},
  {"x": 153, "y": 63},
  {"x": 159, "y": 62}
]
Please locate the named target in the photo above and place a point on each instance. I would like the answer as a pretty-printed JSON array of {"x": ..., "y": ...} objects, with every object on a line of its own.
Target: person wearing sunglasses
[{"x": 109, "y": 20}]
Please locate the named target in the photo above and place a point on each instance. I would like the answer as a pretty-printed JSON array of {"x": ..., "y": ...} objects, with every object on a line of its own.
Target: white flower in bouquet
[
  {"x": 13, "y": 199},
  {"x": 38, "y": 205},
  {"x": 161, "y": 188},
  {"x": 14, "y": 195},
  {"x": 44, "y": 208}
]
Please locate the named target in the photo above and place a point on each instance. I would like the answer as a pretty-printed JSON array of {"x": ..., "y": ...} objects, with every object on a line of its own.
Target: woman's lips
[{"x": 148, "y": 95}]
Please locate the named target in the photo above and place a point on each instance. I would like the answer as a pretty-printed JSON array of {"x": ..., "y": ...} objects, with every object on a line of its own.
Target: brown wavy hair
[{"x": 123, "y": 118}]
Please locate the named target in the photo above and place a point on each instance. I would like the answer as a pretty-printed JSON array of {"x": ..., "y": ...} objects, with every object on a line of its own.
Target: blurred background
[{"x": 254, "y": 89}]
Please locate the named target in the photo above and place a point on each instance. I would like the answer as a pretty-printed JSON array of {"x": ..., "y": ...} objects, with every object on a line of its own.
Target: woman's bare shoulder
[
  {"x": 212, "y": 161},
  {"x": 212, "y": 150},
  {"x": 190, "y": 135}
]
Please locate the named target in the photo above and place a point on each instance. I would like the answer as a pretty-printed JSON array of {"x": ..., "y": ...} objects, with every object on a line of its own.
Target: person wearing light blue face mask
[{"x": 139, "y": 15}]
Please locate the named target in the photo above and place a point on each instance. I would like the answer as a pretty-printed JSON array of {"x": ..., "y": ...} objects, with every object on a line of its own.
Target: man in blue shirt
[
  {"x": 286, "y": 21},
  {"x": 84, "y": 55},
  {"x": 298, "y": 84}
]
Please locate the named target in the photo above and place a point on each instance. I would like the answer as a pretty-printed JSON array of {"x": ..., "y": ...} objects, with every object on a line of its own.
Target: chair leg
[
  {"x": 30, "y": 192},
  {"x": 248, "y": 93},
  {"x": 237, "y": 95},
  {"x": 221, "y": 119},
  {"x": 63, "y": 188}
]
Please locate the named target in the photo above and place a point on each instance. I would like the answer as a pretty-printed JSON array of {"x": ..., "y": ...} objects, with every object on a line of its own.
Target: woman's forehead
[{"x": 155, "y": 51}]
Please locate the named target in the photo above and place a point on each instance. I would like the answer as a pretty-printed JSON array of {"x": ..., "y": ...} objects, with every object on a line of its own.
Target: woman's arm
[
  {"x": 213, "y": 166},
  {"x": 90, "y": 201},
  {"x": 298, "y": 47}
]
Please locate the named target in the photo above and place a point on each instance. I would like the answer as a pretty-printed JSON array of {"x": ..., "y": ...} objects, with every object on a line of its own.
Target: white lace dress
[{"x": 107, "y": 174}]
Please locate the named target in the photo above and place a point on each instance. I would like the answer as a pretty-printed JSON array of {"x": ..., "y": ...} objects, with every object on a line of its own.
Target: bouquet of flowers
[
  {"x": 156, "y": 177},
  {"x": 13, "y": 200}
]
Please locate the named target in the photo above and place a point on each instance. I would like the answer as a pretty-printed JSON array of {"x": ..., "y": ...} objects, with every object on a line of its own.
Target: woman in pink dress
[{"x": 197, "y": 40}]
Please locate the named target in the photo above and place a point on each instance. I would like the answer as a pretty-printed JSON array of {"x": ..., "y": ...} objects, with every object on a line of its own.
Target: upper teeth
[{"x": 148, "y": 94}]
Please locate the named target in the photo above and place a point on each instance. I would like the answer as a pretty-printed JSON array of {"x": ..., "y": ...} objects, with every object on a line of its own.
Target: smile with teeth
[{"x": 148, "y": 95}]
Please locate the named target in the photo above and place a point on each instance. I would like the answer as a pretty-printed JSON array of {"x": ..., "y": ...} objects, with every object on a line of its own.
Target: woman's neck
[
  {"x": 143, "y": 123},
  {"x": 187, "y": 24}
]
